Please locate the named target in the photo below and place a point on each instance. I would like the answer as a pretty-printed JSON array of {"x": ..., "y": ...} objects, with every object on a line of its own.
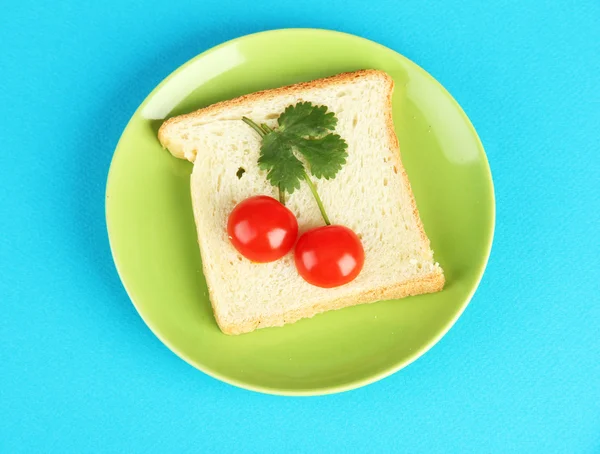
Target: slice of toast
[{"x": 371, "y": 194}]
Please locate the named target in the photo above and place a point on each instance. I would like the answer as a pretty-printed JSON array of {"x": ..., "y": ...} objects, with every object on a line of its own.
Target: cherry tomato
[
  {"x": 262, "y": 229},
  {"x": 329, "y": 256}
]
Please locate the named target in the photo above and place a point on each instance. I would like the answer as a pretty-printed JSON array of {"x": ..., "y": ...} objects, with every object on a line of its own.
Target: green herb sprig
[{"x": 303, "y": 129}]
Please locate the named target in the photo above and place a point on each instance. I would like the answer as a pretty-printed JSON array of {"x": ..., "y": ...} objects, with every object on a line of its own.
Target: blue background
[{"x": 80, "y": 372}]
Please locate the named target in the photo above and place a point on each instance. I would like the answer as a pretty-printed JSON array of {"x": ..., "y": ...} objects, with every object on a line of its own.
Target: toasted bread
[{"x": 371, "y": 194}]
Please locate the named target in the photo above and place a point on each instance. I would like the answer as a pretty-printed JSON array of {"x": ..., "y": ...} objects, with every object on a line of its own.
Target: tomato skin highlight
[
  {"x": 329, "y": 256},
  {"x": 262, "y": 229}
]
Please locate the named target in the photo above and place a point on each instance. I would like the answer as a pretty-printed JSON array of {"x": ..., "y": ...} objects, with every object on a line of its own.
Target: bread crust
[
  {"x": 430, "y": 283},
  {"x": 266, "y": 95}
]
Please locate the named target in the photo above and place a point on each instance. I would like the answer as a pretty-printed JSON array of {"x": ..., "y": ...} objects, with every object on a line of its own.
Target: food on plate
[
  {"x": 262, "y": 229},
  {"x": 352, "y": 177},
  {"x": 327, "y": 256}
]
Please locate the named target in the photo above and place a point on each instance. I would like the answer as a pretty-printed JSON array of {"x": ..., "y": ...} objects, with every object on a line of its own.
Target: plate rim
[{"x": 325, "y": 390}]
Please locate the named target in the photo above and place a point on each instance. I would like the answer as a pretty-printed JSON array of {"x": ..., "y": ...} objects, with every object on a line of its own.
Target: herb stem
[
  {"x": 254, "y": 126},
  {"x": 315, "y": 194},
  {"x": 281, "y": 195},
  {"x": 263, "y": 130}
]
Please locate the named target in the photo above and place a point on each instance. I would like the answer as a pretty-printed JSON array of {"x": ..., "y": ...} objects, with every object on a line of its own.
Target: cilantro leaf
[
  {"x": 325, "y": 155},
  {"x": 306, "y": 120},
  {"x": 304, "y": 130},
  {"x": 284, "y": 169}
]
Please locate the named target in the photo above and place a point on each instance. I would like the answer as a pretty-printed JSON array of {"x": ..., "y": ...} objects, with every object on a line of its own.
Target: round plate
[{"x": 153, "y": 237}]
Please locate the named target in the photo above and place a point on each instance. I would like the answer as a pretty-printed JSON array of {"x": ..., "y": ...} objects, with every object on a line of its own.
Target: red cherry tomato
[
  {"x": 262, "y": 229},
  {"x": 329, "y": 256}
]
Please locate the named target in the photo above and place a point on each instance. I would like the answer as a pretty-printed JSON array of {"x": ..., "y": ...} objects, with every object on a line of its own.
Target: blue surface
[{"x": 80, "y": 372}]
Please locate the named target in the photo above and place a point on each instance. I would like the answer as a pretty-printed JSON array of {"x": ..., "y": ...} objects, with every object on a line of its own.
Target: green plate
[{"x": 153, "y": 238}]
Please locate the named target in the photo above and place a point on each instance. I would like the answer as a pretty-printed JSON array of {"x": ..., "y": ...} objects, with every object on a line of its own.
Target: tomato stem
[{"x": 315, "y": 194}]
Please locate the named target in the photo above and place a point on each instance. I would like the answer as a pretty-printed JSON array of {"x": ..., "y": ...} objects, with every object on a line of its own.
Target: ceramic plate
[{"x": 153, "y": 237}]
